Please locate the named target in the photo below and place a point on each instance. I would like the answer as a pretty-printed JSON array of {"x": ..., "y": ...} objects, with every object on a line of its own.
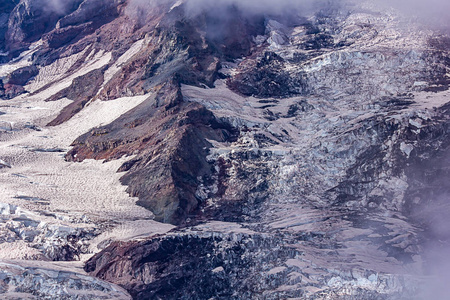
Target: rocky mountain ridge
[{"x": 301, "y": 156}]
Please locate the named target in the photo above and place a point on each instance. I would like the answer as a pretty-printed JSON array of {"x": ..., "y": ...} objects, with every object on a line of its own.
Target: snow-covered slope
[{"x": 298, "y": 156}]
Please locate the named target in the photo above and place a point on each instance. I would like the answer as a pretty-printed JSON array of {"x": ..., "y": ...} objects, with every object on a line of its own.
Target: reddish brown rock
[
  {"x": 10, "y": 91},
  {"x": 81, "y": 91},
  {"x": 170, "y": 137}
]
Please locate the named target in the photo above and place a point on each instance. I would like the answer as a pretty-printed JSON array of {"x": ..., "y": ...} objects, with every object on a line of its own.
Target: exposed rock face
[
  {"x": 5, "y": 10},
  {"x": 298, "y": 69},
  {"x": 9, "y": 91},
  {"x": 81, "y": 91},
  {"x": 22, "y": 75},
  {"x": 210, "y": 272},
  {"x": 239, "y": 264},
  {"x": 2, "y": 89},
  {"x": 30, "y": 19},
  {"x": 15, "y": 81},
  {"x": 302, "y": 157},
  {"x": 335, "y": 161},
  {"x": 89, "y": 16},
  {"x": 164, "y": 131}
]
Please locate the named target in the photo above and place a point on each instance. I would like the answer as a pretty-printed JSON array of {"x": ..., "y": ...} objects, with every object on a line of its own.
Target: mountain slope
[{"x": 301, "y": 155}]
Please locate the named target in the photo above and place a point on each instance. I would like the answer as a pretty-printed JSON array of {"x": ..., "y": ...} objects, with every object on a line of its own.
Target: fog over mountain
[
  {"x": 435, "y": 12},
  {"x": 256, "y": 7},
  {"x": 58, "y": 6}
]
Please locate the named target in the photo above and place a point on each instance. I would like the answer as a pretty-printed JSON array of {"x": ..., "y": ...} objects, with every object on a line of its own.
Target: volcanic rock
[{"x": 300, "y": 155}]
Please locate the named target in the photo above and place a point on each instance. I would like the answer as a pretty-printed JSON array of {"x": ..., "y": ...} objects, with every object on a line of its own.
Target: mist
[
  {"x": 421, "y": 7},
  {"x": 433, "y": 217},
  {"x": 435, "y": 13},
  {"x": 60, "y": 7},
  {"x": 431, "y": 12},
  {"x": 194, "y": 7}
]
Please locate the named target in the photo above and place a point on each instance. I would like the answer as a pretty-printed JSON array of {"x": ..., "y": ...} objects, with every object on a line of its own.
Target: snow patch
[{"x": 406, "y": 148}]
